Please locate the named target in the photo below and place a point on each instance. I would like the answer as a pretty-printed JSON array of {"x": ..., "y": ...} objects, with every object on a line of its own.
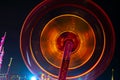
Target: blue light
[
  {"x": 80, "y": 79},
  {"x": 33, "y": 78}
]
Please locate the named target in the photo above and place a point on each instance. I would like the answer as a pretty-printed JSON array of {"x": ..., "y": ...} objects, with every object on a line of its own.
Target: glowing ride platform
[{"x": 51, "y": 23}]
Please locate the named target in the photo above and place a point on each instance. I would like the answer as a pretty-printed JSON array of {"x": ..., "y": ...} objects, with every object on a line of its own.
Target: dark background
[{"x": 12, "y": 16}]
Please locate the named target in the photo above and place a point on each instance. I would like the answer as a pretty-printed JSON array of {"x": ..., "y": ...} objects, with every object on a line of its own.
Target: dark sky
[{"x": 12, "y": 16}]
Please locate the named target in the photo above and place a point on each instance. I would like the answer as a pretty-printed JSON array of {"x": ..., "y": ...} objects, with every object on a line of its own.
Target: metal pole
[
  {"x": 8, "y": 68},
  {"x": 112, "y": 78},
  {"x": 66, "y": 59}
]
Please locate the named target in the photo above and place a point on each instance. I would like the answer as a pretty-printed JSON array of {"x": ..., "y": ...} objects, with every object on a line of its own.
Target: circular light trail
[{"x": 83, "y": 21}]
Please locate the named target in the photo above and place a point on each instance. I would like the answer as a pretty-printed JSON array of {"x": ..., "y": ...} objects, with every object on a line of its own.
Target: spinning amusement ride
[{"x": 67, "y": 40}]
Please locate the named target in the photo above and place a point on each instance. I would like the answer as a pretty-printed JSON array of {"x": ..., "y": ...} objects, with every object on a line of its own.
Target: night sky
[{"x": 12, "y": 16}]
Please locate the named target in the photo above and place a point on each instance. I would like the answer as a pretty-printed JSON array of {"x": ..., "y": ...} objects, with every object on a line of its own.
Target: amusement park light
[{"x": 33, "y": 78}]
